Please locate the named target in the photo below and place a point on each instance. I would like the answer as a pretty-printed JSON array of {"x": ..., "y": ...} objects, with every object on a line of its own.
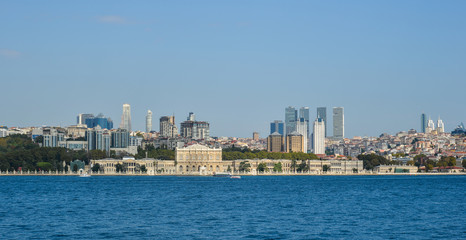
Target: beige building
[
  {"x": 275, "y": 142},
  {"x": 199, "y": 159},
  {"x": 255, "y": 136},
  {"x": 395, "y": 169},
  {"x": 295, "y": 142}
]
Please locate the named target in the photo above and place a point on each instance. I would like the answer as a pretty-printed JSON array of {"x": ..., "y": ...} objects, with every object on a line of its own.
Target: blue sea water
[{"x": 276, "y": 207}]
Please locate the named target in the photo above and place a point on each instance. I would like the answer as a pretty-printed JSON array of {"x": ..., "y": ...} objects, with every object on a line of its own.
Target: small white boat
[
  {"x": 237, "y": 177},
  {"x": 84, "y": 175}
]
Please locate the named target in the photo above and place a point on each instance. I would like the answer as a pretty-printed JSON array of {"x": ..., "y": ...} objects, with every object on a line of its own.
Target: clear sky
[{"x": 236, "y": 64}]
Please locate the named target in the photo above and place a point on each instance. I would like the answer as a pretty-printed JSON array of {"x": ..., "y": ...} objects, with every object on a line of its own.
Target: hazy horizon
[{"x": 237, "y": 65}]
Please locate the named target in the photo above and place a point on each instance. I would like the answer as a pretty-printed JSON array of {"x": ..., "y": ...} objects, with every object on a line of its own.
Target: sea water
[{"x": 262, "y": 207}]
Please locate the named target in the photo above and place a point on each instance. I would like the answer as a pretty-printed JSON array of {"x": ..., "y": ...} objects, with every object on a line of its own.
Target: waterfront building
[
  {"x": 275, "y": 142},
  {"x": 194, "y": 129},
  {"x": 302, "y": 128},
  {"x": 395, "y": 169},
  {"x": 199, "y": 159},
  {"x": 338, "y": 123},
  {"x": 291, "y": 116},
  {"x": 81, "y": 119},
  {"x": 319, "y": 136},
  {"x": 277, "y": 126},
  {"x": 322, "y": 114},
  {"x": 120, "y": 138},
  {"x": 423, "y": 123},
  {"x": 126, "y": 117},
  {"x": 168, "y": 127},
  {"x": 295, "y": 142},
  {"x": 149, "y": 121}
]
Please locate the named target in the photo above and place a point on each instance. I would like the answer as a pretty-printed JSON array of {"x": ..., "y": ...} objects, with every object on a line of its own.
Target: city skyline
[{"x": 160, "y": 56}]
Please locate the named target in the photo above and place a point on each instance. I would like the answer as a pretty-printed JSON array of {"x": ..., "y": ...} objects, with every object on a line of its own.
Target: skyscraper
[
  {"x": 304, "y": 113},
  {"x": 440, "y": 126},
  {"x": 301, "y": 128},
  {"x": 277, "y": 126},
  {"x": 423, "y": 123},
  {"x": 126, "y": 117},
  {"x": 322, "y": 113},
  {"x": 291, "y": 116},
  {"x": 338, "y": 123},
  {"x": 194, "y": 129},
  {"x": 81, "y": 119},
  {"x": 100, "y": 120},
  {"x": 318, "y": 141},
  {"x": 149, "y": 121}
]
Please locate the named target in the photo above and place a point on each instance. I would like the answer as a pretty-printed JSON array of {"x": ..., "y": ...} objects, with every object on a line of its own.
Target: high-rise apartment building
[
  {"x": 338, "y": 123},
  {"x": 194, "y": 129},
  {"x": 126, "y": 117},
  {"x": 149, "y": 121},
  {"x": 291, "y": 116},
  {"x": 322, "y": 113},
  {"x": 275, "y": 142},
  {"x": 430, "y": 126},
  {"x": 423, "y": 123},
  {"x": 440, "y": 126},
  {"x": 318, "y": 141},
  {"x": 168, "y": 127},
  {"x": 277, "y": 126},
  {"x": 98, "y": 139},
  {"x": 81, "y": 119},
  {"x": 120, "y": 138}
]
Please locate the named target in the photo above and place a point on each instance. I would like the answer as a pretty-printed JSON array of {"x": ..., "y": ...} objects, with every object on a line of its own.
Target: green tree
[
  {"x": 46, "y": 166},
  {"x": 244, "y": 166},
  {"x": 262, "y": 167},
  {"x": 277, "y": 167},
  {"x": 464, "y": 163},
  {"x": 303, "y": 166},
  {"x": 143, "y": 169},
  {"x": 325, "y": 168},
  {"x": 96, "y": 167}
]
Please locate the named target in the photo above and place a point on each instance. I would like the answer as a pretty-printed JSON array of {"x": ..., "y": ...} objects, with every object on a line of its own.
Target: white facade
[
  {"x": 126, "y": 117},
  {"x": 318, "y": 140},
  {"x": 149, "y": 121},
  {"x": 440, "y": 126},
  {"x": 301, "y": 128}
]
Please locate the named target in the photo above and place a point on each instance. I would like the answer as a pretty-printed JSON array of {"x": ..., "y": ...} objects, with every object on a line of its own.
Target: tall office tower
[
  {"x": 126, "y": 117},
  {"x": 338, "y": 123},
  {"x": 423, "y": 123},
  {"x": 301, "y": 128},
  {"x": 149, "y": 121},
  {"x": 318, "y": 136},
  {"x": 168, "y": 127},
  {"x": 275, "y": 142},
  {"x": 81, "y": 119},
  {"x": 440, "y": 126},
  {"x": 255, "y": 136},
  {"x": 291, "y": 116},
  {"x": 304, "y": 113},
  {"x": 277, "y": 126},
  {"x": 191, "y": 117},
  {"x": 322, "y": 113},
  {"x": 294, "y": 142}
]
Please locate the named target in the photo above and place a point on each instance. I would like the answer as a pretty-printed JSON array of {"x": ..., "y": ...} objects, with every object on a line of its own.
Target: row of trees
[
  {"x": 20, "y": 152},
  {"x": 372, "y": 160},
  {"x": 162, "y": 154}
]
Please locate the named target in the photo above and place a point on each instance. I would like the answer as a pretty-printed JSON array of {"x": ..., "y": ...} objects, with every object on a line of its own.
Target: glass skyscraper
[
  {"x": 423, "y": 123},
  {"x": 126, "y": 118},
  {"x": 277, "y": 126},
  {"x": 304, "y": 114},
  {"x": 291, "y": 116},
  {"x": 338, "y": 123},
  {"x": 322, "y": 114}
]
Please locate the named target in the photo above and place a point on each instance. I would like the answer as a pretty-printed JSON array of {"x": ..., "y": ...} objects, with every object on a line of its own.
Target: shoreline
[{"x": 241, "y": 174}]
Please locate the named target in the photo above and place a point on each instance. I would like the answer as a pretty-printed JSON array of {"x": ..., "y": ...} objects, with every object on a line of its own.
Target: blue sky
[{"x": 236, "y": 64}]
